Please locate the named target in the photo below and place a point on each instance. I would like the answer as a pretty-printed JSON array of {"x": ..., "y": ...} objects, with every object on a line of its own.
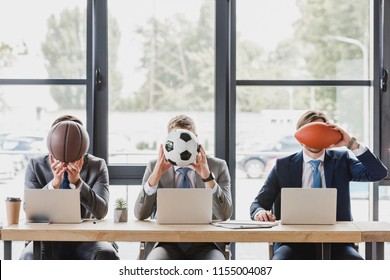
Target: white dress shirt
[
  {"x": 149, "y": 190},
  {"x": 307, "y": 171}
]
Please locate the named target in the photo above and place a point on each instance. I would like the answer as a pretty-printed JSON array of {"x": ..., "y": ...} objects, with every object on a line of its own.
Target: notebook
[
  {"x": 52, "y": 206},
  {"x": 184, "y": 206},
  {"x": 307, "y": 206}
]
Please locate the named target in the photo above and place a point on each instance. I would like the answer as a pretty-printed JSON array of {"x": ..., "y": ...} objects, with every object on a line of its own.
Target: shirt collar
[
  {"x": 306, "y": 158},
  {"x": 175, "y": 167}
]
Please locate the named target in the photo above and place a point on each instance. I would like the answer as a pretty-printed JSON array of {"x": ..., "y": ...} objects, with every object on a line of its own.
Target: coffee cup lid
[{"x": 14, "y": 199}]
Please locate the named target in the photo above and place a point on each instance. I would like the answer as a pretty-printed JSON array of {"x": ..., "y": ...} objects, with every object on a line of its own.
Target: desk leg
[
  {"x": 380, "y": 250},
  {"x": 323, "y": 251},
  {"x": 37, "y": 250},
  {"x": 375, "y": 251},
  {"x": 7, "y": 250},
  {"x": 326, "y": 247}
]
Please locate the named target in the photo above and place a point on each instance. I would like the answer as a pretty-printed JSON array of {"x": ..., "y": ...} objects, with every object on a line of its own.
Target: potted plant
[{"x": 120, "y": 212}]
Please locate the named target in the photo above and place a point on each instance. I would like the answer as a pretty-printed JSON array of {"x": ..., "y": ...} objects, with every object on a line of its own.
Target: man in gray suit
[
  {"x": 206, "y": 172},
  {"x": 89, "y": 174}
]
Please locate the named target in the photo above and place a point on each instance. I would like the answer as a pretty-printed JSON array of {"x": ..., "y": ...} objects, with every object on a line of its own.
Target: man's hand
[
  {"x": 162, "y": 165},
  {"x": 265, "y": 216},
  {"x": 74, "y": 169},
  {"x": 201, "y": 166},
  {"x": 345, "y": 139},
  {"x": 58, "y": 168}
]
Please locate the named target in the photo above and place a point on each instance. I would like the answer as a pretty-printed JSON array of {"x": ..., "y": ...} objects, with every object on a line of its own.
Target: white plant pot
[{"x": 120, "y": 216}]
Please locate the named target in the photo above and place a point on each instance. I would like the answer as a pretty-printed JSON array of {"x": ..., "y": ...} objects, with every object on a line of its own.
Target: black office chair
[
  {"x": 141, "y": 254},
  {"x": 277, "y": 213}
]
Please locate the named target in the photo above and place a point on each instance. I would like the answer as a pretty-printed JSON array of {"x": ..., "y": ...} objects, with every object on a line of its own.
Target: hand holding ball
[
  {"x": 318, "y": 135},
  {"x": 181, "y": 147},
  {"x": 67, "y": 141}
]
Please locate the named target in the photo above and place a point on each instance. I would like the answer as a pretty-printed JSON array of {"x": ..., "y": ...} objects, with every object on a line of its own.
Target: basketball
[
  {"x": 317, "y": 135},
  {"x": 67, "y": 141}
]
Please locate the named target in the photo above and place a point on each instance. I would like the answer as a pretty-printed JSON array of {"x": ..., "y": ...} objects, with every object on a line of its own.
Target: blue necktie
[
  {"x": 185, "y": 182},
  {"x": 316, "y": 173},
  {"x": 65, "y": 181}
]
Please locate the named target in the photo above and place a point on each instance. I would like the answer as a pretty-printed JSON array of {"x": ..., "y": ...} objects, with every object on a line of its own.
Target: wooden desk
[
  {"x": 136, "y": 231},
  {"x": 374, "y": 234}
]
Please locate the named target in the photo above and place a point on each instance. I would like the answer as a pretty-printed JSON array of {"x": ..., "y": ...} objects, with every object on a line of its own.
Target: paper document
[{"x": 240, "y": 224}]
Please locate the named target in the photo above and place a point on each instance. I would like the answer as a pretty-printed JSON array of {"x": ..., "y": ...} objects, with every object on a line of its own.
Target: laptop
[
  {"x": 308, "y": 206},
  {"x": 52, "y": 206},
  {"x": 184, "y": 206}
]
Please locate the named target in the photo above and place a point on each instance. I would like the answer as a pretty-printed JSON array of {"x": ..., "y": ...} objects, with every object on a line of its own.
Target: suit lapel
[
  {"x": 296, "y": 170},
  {"x": 329, "y": 169},
  {"x": 168, "y": 179}
]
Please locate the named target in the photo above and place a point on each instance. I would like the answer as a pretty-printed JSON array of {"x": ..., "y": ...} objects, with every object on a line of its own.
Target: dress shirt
[
  {"x": 307, "y": 171},
  {"x": 307, "y": 175},
  {"x": 51, "y": 187},
  {"x": 149, "y": 190}
]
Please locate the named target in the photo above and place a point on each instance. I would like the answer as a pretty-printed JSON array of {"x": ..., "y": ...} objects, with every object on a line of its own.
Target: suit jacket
[
  {"x": 94, "y": 193},
  {"x": 339, "y": 169},
  {"x": 145, "y": 205}
]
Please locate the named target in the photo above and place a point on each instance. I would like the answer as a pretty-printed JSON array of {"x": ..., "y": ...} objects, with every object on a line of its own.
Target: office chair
[
  {"x": 276, "y": 211},
  {"x": 141, "y": 254}
]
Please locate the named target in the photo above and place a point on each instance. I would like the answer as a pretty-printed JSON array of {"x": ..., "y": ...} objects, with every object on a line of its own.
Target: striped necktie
[{"x": 185, "y": 182}]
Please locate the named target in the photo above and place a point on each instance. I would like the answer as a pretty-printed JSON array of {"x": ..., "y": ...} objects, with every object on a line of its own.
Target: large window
[{"x": 161, "y": 61}]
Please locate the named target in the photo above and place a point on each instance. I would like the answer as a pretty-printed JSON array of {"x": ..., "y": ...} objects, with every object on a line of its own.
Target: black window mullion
[
  {"x": 383, "y": 97},
  {"x": 329, "y": 83},
  {"x": 99, "y": 79}
]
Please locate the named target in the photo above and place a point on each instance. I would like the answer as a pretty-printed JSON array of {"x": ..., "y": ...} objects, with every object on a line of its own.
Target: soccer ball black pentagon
[{"x": 181, "y": 147}]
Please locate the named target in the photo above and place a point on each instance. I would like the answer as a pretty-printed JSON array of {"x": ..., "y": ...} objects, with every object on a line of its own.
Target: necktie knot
[
  {"x": 315, "y": 163},
  {"x": 185, "y": 181},
  {"x": 317, "y": 181},
  {"x": 183, "y": 171}
]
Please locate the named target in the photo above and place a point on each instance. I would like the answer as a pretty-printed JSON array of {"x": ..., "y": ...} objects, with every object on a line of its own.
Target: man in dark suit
[
  {"x": 207, "y": 172},
  {"x": 337, "y": 168},
  {"x": 89, "y": 174}
]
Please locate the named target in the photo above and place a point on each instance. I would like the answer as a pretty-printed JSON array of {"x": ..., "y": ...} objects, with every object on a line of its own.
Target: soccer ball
[{"x": 181, "y": 147}]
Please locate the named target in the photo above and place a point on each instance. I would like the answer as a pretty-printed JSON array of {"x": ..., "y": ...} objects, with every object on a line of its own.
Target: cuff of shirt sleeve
[
  {"x": 359, "y": 151},
  {"x": 257, "y": 213},
  {"x": 50, "y": 185},
  {"x": 215, "y": 189},
  {"x": 149, "y": 190}
]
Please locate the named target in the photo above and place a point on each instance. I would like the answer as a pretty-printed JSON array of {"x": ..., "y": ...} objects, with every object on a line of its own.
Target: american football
[
  {"x": 67, "y": 141},
  {"x": 317, "y": 135},
  {"x": 181, "y": 147}
]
